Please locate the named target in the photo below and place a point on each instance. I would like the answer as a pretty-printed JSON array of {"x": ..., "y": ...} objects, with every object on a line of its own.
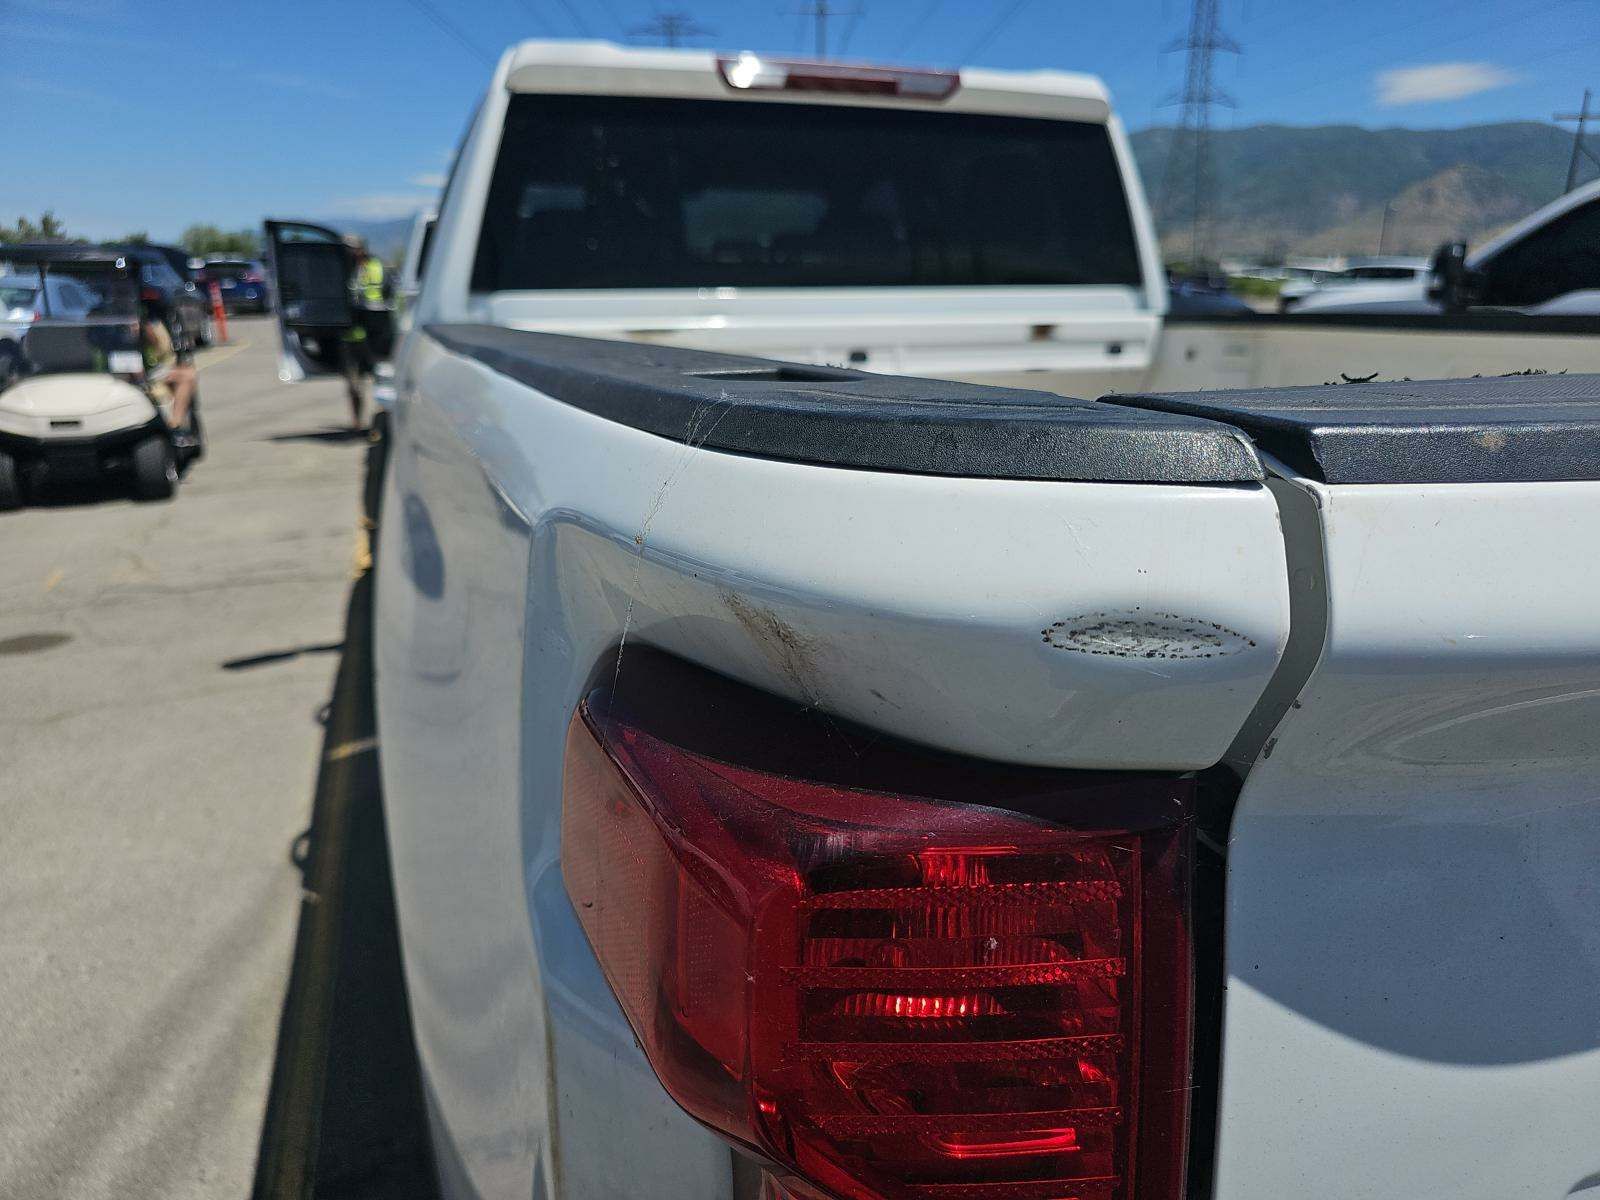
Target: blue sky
[{"x": 152, "y": 114}]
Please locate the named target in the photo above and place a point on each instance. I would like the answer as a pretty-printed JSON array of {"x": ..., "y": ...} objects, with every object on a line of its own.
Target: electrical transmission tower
[
  {"x": 1580, "y": 144},
  {"x": 671, "y": 27},
  {"x": 1189, "y": 155},
  {"x": 820, "y": 11}
]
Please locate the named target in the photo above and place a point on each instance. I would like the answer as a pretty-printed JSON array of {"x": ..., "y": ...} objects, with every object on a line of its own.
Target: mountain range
[{"x": 1282, "y": 189}]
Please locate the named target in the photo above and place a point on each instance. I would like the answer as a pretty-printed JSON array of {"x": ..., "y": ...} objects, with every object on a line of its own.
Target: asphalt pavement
[{"x": 165, "y": 677}]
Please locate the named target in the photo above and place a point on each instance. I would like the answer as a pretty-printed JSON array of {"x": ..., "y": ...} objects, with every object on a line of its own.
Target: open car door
[{"x": 309, "y": 268}]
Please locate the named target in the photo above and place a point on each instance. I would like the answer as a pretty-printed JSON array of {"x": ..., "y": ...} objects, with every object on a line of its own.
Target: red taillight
[
  {"x": 896, "y": 996},
  {"x": 150, "y": 295},
  {"x": 751, "y": 72}
]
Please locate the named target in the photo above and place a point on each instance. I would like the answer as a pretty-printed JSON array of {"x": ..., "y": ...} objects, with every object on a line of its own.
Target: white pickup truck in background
[{"x": 807, "y": 781}]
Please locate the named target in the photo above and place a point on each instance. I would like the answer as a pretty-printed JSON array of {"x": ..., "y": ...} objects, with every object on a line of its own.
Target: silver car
[{"x": 24, "y": 299}]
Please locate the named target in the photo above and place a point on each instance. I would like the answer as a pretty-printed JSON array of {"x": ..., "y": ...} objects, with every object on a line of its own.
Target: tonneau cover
[
  {"x": 837, "y": 417},
  {"x": 1515, "y": 429}
]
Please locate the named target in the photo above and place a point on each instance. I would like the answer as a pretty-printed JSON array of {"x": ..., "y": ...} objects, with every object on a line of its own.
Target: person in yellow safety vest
[{"x": 368, "y": 337}]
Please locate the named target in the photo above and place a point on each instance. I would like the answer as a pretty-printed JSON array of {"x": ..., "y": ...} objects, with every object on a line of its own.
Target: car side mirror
[{"x": 1450, "y": 282}]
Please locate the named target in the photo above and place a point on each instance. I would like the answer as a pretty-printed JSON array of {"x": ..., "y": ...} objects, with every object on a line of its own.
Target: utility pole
[
  {"x": 1192, "y": 138},
  {"x": 1579, "y": 145},
  {"x": 671, "y": 27},
  {"x": 1383, "y": 232},
  {"x": 819, "y": 11}
]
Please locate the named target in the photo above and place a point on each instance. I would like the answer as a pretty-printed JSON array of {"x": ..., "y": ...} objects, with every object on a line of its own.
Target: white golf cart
[{"x": 80, "y": 403}]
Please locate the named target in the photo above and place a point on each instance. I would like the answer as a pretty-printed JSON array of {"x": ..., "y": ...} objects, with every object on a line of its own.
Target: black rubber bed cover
[
  {"x": 837, "y": 417},
  {"x": 1513, "y": 429}
]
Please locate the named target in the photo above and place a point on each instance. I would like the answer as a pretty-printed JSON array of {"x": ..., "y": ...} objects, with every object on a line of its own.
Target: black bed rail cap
[
  {"x": 1527, "y": 428},
  {"x": 833, "y": 416}
]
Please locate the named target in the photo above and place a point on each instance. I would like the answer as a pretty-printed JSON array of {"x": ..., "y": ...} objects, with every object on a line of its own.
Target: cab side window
[{"x": 1562, "y": 257}]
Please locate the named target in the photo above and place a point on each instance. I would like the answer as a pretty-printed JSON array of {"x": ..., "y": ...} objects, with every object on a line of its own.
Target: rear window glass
[{"x": 624, "y": 192}]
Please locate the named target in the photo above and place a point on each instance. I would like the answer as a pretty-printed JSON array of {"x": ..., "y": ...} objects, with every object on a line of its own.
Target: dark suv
[
  {"x": 171, "y": 293},
  {"x": 242, "y": 283}
]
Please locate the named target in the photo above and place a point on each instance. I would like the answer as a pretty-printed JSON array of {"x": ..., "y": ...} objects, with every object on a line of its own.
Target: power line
[
  {"x": 539, "y": 19},
  {"x": 989, "y": 35},
  {"x": 918, "y": 26},
  {"x": 1342, "y": 75},
  {"x": 611, "y": 15},
  {"x": 1192, "y": 139},
  {"x": 671, "y": 27},
  {"x": 850, "y": 29},
  {"x": 1580, "y": 147},
  {"x": 577, "y": 19},
  {"x": 466, "y": 43},
  {"x": 820, "y": 11}
]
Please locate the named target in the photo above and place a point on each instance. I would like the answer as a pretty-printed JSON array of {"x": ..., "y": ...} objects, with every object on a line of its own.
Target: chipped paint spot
[{"x": 1145, "y": 635}]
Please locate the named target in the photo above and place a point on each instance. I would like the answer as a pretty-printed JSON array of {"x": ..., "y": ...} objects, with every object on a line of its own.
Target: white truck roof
[{"x": 604, "y": 68}]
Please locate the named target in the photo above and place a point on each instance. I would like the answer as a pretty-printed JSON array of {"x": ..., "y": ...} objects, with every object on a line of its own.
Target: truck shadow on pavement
[
  {"x": 335, "y": 435},
  {"x": 345, "y": 1115}
]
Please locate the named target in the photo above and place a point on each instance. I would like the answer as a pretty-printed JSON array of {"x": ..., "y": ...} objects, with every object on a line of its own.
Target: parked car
[
  {"x": 839, "y": 784},
  {"x": 1547, "y": 264},
  {"x": 178, "y": 259},
  {"x": 1392, "y": 270},
  {"x": 242, "y": 283},
  {"x": 172, "y": 295},
  {"x": 26, "y": 299},
  {"x": 1188, "y": 298}
]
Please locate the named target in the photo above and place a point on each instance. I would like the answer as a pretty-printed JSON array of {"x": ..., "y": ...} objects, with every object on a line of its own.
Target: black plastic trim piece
[
  {"x": 1515, "y": 429},
  {"x": 844, "y": 418}
]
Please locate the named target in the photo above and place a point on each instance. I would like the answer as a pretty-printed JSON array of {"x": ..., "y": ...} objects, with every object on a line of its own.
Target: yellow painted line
[
  {"x": 350, "y": 749},
  {"x": 213, "y": 357},
  {"x": 54, "y": 578}
]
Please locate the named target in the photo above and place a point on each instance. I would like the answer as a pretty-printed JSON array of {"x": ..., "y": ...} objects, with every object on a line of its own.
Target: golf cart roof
[{"x": 44, "y": 253}]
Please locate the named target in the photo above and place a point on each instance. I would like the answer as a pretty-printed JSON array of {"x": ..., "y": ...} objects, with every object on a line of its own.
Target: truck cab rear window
[{"x": 637, "y": 192}]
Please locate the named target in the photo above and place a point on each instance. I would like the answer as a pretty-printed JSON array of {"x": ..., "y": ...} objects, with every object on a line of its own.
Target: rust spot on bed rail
[{"x": 1140, "y": 634}]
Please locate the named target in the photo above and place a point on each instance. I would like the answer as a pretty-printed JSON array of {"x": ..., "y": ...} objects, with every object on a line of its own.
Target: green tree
[
  {"x": 203, "y": 240},
  {"x": 139, "y": 237},
  {"x": 48, "y": 229}
]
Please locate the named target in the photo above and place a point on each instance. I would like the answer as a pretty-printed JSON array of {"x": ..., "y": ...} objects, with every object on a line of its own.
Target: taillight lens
[{"x": 896, "y": 995}]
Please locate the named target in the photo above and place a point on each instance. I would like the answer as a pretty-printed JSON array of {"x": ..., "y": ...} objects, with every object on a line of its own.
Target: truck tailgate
[{"x": 1413, "y": 916}]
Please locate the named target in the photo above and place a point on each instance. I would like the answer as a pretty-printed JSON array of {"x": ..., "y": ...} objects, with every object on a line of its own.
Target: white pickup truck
[{"x": 807, "y": 781}]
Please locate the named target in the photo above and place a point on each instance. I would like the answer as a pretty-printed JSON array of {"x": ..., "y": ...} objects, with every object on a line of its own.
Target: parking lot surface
[{"x": 165, "y": 673}]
